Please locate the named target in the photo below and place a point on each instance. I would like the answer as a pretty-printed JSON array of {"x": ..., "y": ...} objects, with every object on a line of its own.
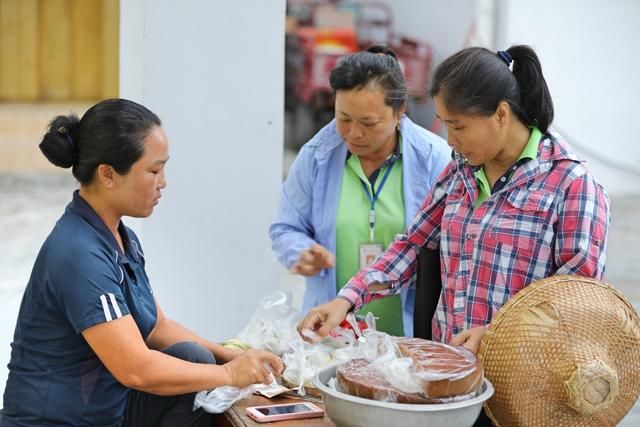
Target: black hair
[
  {"x": 475, "y": 80},
  {"x": 112, "y": 132},
  {"x": 378, "y": 65}
]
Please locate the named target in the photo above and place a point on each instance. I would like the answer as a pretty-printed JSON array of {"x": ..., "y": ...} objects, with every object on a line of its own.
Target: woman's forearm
[
  {"x": 161, "y": 374},
  {"x": 169, "y": 332}
]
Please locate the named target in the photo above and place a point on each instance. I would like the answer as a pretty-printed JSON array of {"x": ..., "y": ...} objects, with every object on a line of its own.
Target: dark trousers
[
  {"x": 428, "y": 289},
  {"x": 145, "y": 409},
  {"x": 483, "y": 420}
]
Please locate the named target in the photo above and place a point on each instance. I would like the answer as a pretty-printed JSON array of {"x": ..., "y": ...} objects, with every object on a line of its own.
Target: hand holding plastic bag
[
  {"x": 253, "y": 367},
  {"x": 220, "y": 399},
  {"x": 244, "y": 371}
]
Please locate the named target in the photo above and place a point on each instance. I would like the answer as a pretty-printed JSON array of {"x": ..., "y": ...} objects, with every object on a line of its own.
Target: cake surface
[{"x": 444, "y": 370}]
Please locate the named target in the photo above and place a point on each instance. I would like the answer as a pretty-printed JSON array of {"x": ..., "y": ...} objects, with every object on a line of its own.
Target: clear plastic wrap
[
  {"x": 442, "y": 370},
  {"x": 273, "y": 325},
  {"x": 410, "y": 370},
  {"x": 220, "y": 399},
  {"x": 303, "y": 362}
]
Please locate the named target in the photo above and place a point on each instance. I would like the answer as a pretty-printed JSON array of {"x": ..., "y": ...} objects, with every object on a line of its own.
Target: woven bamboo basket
[{"x": 564, "y": 351}]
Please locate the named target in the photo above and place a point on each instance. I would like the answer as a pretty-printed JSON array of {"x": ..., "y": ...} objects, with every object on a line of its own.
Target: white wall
[
  {"x": 214, "y": 73},
  {"x": 588, "y": 50}
]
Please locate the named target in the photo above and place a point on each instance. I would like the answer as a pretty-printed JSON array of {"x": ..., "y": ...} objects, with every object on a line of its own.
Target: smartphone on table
[{"x": 284, "y": 411}]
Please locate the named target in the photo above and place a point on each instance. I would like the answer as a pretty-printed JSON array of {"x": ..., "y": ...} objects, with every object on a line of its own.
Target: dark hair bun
[
  {"x": 59, "y": 144},
  {"x": 385, "y": 50}
]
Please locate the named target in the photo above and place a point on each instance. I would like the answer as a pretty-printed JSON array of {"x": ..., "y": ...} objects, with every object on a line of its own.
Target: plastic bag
[
  {"x": 302, "y": 363},
  {"x": 273, "y": 325},
  {"x": 383, "y": 352},
  {"x": 220, "y": 399}
]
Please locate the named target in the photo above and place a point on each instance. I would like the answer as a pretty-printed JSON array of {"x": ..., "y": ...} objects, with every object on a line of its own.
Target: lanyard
[{"x": 374, "y": 198}]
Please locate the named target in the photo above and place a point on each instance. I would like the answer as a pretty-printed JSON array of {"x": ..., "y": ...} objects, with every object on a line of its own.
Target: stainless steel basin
[{"x": 351, "y": 411}]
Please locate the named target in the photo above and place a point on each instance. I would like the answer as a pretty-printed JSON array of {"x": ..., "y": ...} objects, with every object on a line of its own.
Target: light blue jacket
[{"x": 309, "y": 201}]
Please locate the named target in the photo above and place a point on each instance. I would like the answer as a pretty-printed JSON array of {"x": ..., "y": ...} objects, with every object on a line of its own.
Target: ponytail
[
  {"x": 475, "y": 80},
  {"x": 535, "y": 99}
]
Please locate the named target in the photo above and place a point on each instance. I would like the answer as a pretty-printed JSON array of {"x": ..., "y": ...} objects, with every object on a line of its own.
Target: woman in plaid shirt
[{"x": 514, "y": 205}]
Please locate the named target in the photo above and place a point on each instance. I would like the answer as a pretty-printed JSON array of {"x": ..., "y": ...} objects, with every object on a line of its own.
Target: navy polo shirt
[{"x": 81, "y": 278}]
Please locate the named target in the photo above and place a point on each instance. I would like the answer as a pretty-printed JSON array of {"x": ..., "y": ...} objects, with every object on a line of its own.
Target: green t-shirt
[
  {"x": 352, "y": 229},
  {"x": 530, "y": 152}
]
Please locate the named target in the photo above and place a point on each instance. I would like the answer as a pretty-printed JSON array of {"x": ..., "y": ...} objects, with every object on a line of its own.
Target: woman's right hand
[
  {"x": 253, "y": 367},
  {"x": 313, "y": 260},
  {"x": 323, "y": 318}
]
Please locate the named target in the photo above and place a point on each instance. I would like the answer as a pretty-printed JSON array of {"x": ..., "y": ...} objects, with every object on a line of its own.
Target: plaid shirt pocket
[{"x": 524, "y": 219}]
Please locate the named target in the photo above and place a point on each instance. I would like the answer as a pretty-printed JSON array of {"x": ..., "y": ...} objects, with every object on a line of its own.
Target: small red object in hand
[{"x": 346, "y": 325}]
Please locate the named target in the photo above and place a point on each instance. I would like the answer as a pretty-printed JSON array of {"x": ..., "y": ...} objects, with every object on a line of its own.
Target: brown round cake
[
  {"x": 358, "y": 377},
  {"x": 443, "y": 372}
]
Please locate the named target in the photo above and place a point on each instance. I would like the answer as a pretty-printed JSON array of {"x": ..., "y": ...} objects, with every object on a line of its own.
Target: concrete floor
[{"x": 31, "y": 203}]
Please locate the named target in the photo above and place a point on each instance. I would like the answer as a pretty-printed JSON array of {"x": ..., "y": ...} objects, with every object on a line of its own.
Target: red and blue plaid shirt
[{"x": 550, "y": 218}]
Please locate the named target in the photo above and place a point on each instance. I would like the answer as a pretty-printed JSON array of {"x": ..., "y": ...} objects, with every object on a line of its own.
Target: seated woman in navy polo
[{"x": 91, "y": 345}]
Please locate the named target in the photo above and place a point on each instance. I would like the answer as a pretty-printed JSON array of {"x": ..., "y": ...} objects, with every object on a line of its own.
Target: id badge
[{"x": 369, "y": 252}]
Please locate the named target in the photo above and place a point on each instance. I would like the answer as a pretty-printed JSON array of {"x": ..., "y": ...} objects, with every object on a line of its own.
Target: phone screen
[{"x": 288, "y": 409}]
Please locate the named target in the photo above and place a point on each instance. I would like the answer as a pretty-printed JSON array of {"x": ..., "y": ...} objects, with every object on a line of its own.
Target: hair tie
[
  {"x": 73, "y": 146},
  {"x": 505, "y": 57},
  {"x": 64, "y": 132}
]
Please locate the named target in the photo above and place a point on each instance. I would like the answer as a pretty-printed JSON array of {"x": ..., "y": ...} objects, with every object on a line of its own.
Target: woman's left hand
[{"x": 469, "y": 338}]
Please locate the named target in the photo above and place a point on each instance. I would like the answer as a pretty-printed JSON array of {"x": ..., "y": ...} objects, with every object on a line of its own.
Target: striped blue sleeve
[{"x": 87, "y": 286}]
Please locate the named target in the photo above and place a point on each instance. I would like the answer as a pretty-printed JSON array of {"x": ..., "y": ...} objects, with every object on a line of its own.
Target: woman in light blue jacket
[{"x": 356, "y": 184}]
